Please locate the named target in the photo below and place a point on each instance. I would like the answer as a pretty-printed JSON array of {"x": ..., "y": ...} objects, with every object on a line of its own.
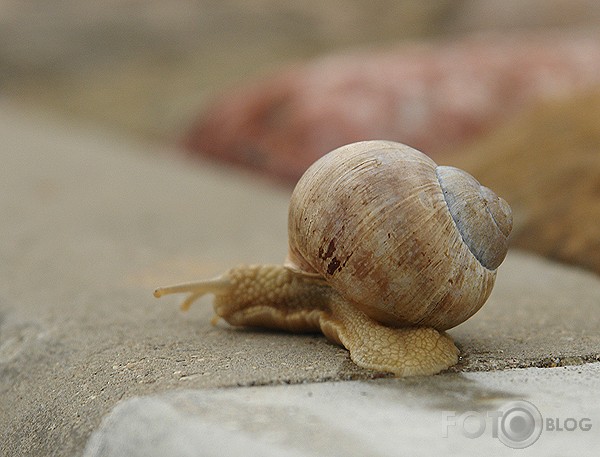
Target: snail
[{"x": 387, "y": 251}]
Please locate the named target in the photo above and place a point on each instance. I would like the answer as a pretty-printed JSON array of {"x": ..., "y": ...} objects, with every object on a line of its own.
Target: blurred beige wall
[{"x": 147, "y": 66}]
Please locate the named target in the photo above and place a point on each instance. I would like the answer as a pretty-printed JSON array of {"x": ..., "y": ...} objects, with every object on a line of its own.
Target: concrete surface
[
  {"x": 363, "y": 418},
  {"x": 91, "y": 224}
]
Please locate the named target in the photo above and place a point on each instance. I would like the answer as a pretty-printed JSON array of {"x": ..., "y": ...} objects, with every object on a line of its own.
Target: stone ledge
[{"x": 91, "y": 224}]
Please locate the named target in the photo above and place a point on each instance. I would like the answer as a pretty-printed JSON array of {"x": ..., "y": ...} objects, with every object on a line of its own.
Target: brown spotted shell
[{"x": 409, "y": 242}]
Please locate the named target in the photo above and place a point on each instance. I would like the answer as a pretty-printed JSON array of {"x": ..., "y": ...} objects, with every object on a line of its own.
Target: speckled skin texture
[{"x": 274, "y": 296}]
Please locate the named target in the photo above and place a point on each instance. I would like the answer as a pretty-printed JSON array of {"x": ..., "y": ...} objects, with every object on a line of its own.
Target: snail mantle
[{"x": 387, "y": 250}]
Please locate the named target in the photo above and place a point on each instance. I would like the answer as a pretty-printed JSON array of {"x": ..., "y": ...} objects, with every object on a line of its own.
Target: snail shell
[
  {"x": 386, "y": 250},
  {"x": 407, "y": 241}
]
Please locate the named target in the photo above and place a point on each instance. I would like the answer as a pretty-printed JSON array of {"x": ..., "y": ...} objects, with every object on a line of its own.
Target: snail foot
[{"x": 409, "y": 351}]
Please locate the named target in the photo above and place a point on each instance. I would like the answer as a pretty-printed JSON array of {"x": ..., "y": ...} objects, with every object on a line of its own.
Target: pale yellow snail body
[{"x": 386, "y": 251}]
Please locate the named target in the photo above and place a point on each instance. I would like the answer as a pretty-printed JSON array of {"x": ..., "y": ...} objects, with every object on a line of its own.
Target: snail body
[{"x": 387, "y": 250}]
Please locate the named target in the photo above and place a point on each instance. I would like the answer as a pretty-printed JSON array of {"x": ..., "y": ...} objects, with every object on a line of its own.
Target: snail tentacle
[{"x": 216, "y": 286}]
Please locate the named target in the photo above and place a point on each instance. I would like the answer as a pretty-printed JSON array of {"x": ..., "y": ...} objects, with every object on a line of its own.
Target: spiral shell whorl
[{"x": 483, "y": 219}]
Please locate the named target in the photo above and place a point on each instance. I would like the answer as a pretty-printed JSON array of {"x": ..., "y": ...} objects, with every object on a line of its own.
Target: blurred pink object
[{"x": 433, "y": 96}]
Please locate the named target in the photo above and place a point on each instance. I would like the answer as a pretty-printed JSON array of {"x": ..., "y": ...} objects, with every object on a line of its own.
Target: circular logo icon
[{"x": 521, "y": 424}]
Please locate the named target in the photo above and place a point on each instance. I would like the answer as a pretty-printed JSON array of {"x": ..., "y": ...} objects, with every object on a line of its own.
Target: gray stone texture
[
  {"x": 389, "y": 417},
  {"x": 92, "y": 223}
]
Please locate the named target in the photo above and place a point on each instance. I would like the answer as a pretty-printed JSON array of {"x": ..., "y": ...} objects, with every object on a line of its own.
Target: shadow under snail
[{"x": 387, "y": 250}]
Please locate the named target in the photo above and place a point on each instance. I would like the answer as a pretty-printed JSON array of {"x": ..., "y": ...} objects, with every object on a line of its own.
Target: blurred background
[
  {"x": 507, "y": 90},
  {"x": 147, "y": 67}
]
